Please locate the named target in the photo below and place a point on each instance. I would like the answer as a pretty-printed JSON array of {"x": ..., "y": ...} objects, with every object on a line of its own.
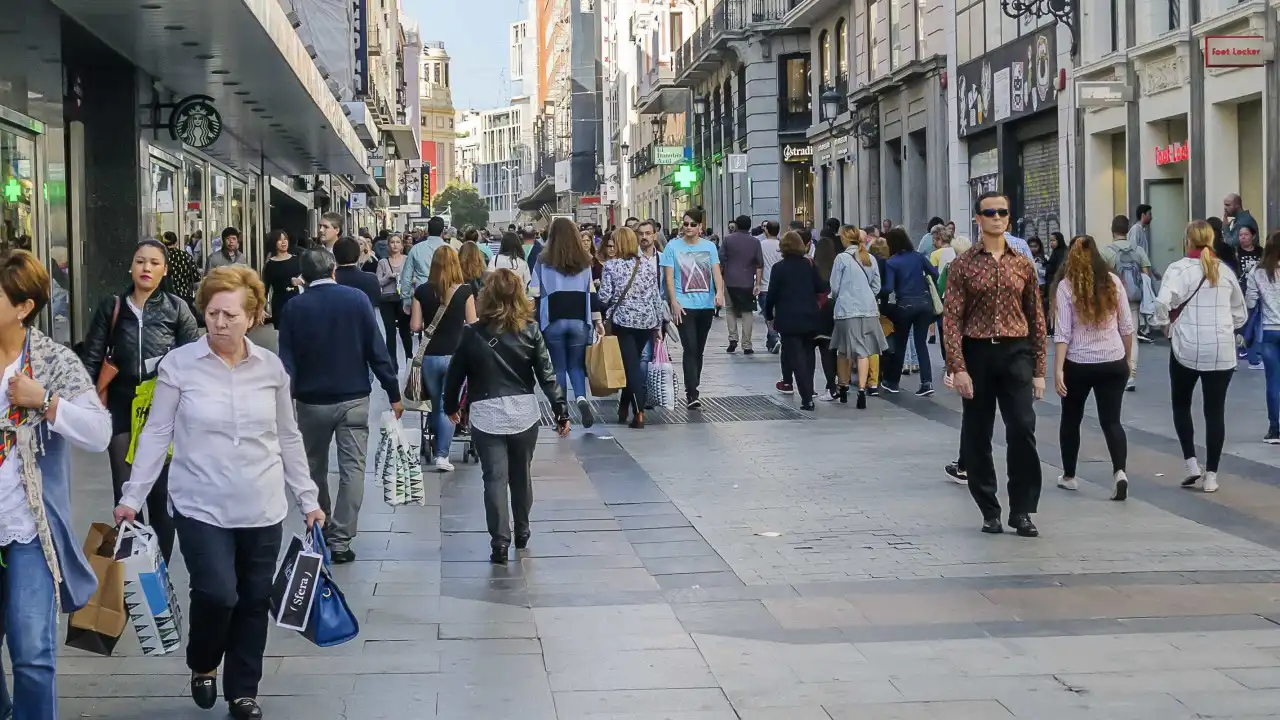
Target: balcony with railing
[
  {"x": 727, "y": 19},
  {"x": 641, "y": 161},
  {"x": 653, "y": 83}
]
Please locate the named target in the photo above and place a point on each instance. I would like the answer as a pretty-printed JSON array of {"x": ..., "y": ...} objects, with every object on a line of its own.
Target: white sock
[
  {"x": 1193, "y": 467},
  {"x": 581, "y": 399}
]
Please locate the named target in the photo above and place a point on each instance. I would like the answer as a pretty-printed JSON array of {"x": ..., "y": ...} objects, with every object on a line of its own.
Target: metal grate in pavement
[{"x": 738, "y": 408}]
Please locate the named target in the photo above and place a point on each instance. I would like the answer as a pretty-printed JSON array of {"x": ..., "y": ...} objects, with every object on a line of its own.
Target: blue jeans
[
  {"x": 31, "y": 621},
  {"x": 567, "y": 343},
  {"x": 771, "y": 337},
  {"x": 434, "y": 369},
  {"x": 1271, "y": 363}
]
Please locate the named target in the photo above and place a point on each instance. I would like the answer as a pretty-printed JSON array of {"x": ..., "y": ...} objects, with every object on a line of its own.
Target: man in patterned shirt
[
  {"x": 994, "y": 333},
  {"x": 181, "y": 276}
]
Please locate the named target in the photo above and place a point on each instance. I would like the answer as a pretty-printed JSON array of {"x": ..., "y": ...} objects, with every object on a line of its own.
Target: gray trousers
[
  {"x": 739, "y": 318},
  {"x": 348, "y": 423},
  {"x": 504, "y": 462}
]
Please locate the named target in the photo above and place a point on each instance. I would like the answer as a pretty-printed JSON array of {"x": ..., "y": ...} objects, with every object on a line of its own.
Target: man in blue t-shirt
[{"x": 695, "y": 288}]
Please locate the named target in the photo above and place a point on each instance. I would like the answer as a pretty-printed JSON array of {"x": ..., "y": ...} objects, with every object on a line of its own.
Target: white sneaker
[
  {"x": 443, "y": 465},
  {"x": 1067, "y": 483},
  {"x": 1121, "y": 489},
  {"x": 1210, "y": 482}
]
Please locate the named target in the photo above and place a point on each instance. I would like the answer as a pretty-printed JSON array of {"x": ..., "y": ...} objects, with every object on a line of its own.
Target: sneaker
[
  {"x": 1131, "y": 386},
  {"x": 694, "y": 403},
  {"x": 1210, "y": 482},
  {"x": 873, "y": 391},
  {"x": 830, "y": 396},
  {"x": 584, "y": 409},
  {"x": 1145, "y": 338},
  {"x": 748, "y": 351},
  {"x": 1121, "y": 489},
  {"x": 1067, "y": 483},
  {"x": 1272, "y": 437},
  {"x": 808, "y": 406},
  {"x": 956, "y": 475},
  {"x": 1255, "y": 366},
  {"x": 891, "y": 389},
  {"x": 906, "y": 370},
  {"x": 925, "y": 390},
  {"x": 443, "y": 465},
  {"x": 733, "y": 347},
  {"x": 784, "y": 387},
  {"x": 775, "y": 349}
]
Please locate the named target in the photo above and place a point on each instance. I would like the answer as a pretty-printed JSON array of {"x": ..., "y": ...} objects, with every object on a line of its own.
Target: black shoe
[
  {"x": 808, "y": 406},
  {"x": 925, "y": 390},
  {"x": 1191, "y": 480},
  {"x": 342, "y": 557},
  {"x": 862, "y": 400},
  {"x": 933, "y": 339},
  {"x": 1272, "y": 437},
  {"x": 244, "y": 709},
  {"x": 499, "y": 555},
  {"x": 843, "y": 394},
  {"x": 748, "y": 351},
  {"x": 992, "y": 526},
  {"x": 891, "y": 389},
  {"x": 873, "y": 391},
  {"x": 694, "y": 403},
  {"x": 584, "y": 410},
  {"x": 957, "y": 475},
  {"x": 522, "y": 540},
  {"x": 906, "y": 371},
  {"x": 1022, "y": 523},
  {"x": 204, "y": 690},
  {"x": 733, "y": 346}
]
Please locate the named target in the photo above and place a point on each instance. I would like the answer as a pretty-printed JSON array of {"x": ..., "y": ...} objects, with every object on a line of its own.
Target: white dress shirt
[
  {"x": 1203, "y": 338},
  {"x": 81, "y": 420},
  {"x": 235, "y": 440}
]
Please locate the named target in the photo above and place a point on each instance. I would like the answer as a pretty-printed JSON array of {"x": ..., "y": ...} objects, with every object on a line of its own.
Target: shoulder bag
[
  {"x": 108, "y": 371},
  {"x": 608, "y": 321},
  {"x": 415, "y": 395},
  {"x": 1175, "y": 313}
]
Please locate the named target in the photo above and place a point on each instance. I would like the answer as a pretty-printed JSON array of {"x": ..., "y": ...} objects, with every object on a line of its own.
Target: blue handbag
[{"x": 331, "y": 622}]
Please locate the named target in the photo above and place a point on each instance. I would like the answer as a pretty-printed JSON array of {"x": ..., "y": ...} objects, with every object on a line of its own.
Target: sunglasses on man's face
[
  {"x": 994, "y": 212},
  {"x": 690, "y": 224}
]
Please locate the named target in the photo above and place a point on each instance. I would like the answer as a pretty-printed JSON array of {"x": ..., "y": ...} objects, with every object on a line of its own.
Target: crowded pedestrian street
[{"x": 756, "y": 562}]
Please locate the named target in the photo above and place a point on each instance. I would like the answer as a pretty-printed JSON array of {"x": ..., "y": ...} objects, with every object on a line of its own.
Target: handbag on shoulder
[{"x": 415, "y": 395}]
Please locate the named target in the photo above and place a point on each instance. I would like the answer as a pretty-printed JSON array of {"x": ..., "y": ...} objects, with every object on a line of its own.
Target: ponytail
[
  {"x": 1200, "y": 236},
  {"x": 1209, "y": 263}
]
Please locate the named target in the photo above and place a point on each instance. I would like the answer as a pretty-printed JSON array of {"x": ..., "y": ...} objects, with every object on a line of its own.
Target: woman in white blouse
[
  {"x": 1201, "y": 302},
  {"x": 224, "y": 404}
]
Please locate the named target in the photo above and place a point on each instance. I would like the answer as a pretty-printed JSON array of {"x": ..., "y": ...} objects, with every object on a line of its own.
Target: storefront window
[
  {"x": 163, "y": 215},
  {"x": 239, "y": 208},
  {"x": 219, "y": 207},
  {"x": 802, "y": 191},
  {"x": 17, "y": 191},
  {"x": 194, "y": 226}
]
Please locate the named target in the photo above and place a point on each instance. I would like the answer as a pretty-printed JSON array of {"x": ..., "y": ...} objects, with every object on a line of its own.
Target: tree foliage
[{"x": 464, "y": 202}]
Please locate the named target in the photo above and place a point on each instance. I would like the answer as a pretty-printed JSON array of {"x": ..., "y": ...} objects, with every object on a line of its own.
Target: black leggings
[
  {"x": 396, "y": 321},
  {"x": 1106, "y": 381},
  {"x": 157, "y": 515},
  {"x": 631, "y": 342},
  {"x": 1182, "y": 382},
  {"x": 693, "y": 328},
  {"x": 798, "y": 349}
]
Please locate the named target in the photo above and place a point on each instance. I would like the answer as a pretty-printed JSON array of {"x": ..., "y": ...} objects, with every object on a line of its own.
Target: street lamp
[
  {"x": 830, "y": 105},
  {"x": 699, "y": 105},
  {"x": 1066, "y": 12}
]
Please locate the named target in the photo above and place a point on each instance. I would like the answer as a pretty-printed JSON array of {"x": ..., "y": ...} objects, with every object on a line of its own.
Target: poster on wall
[
  {"x": 1008, "y": 83},
  {"x": 1018, "y": 87},
  {"x": 1000, "y": 86}
]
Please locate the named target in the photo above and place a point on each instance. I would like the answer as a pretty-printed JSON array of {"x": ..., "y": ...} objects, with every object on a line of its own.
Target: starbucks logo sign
[{"x": 195, "y": 121}]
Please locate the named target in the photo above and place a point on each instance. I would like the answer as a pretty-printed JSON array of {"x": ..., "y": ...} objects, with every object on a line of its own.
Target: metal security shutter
[{"x": 1041, "y": 211}]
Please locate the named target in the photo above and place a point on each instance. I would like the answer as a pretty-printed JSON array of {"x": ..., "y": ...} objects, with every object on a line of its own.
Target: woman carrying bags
[
  {"x": 629, "y": 287},
  {"x": 855, "y": 285}
]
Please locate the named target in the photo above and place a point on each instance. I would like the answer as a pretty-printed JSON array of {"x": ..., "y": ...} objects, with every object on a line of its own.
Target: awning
[
  {"x": 247, "y": 57},
  {"x": 362, "y": 121},
  {"x": 543, "y": 194},
  {"x": 402, "y": 138}
]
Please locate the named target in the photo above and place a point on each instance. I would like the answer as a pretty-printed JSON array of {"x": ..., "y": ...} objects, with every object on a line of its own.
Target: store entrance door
[{"x": 1169, "y": 213}]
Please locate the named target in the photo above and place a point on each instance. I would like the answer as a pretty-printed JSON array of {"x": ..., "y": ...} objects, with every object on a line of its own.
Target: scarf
[{"x": 59, "y": 370}]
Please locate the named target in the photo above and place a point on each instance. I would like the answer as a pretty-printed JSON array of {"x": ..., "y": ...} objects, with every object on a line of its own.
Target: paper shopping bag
[
  {"x": 149, "y": 596},
  {"x": 142, "y": 399},
  {"x": 97, "y": 626},
  {"x": 605, "y": 371},
  {"x": 293, "y": 593}
]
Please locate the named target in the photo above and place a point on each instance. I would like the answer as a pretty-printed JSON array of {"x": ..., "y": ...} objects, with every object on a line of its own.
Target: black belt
[{"x": 997, "y": 340}]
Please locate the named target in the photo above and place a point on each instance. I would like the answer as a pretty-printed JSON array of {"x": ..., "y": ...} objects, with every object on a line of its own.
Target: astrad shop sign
[
  {"x": 1173, "y": 153},
  {"x": 1014, "y": 80},
  {"x": 1228, "y": 51},
  {"x": 797, "y": 152}
]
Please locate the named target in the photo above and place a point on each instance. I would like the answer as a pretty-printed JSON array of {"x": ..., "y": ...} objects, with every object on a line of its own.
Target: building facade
[
  {"x": 500, "y": 166},
  {"x": 438, "y": 132},
  {"x": 466, "y": 148}
]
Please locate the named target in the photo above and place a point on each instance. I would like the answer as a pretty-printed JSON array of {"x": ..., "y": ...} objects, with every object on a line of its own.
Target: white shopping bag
[
  {"x": 397, "y": 466},
  {"x": 149, "y": 597},
  {"x": 662, "y": 379}
]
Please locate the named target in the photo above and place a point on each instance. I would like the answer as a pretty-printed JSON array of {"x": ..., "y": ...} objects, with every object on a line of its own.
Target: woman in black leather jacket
[
  {"x": 134, "y": 330},
  {"x": 500, "y": 358}
]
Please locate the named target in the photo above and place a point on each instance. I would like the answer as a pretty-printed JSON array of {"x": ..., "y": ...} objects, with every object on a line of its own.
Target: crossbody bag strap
[
  {"x": 1183, "y": 305},
  {"x": 111, "y": 331},
  {"x": 430, "y": 331},
  {"x": 627, "y": 289}
]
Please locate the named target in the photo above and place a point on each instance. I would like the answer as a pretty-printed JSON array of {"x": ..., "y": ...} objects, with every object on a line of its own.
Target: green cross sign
[
  {"x": 12, "y": 190},
  {"x": 685, "y": 177}
]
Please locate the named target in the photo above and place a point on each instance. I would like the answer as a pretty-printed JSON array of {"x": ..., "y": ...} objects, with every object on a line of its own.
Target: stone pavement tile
[
  {"x": 420, "y": 687},
  {"x": 362, "y": 664},
  {"x": 942, "y": 607},
  {"x": 574, "y": 645},
  {"x": 333, "y": 685},
  {"x": 653, "y": 522},
  {"x": 460, "y": 610},
  {"x": 726, "y": 578},
  {"x": 702, "y": 594},
  {"x": 533, "y": 565},
  {"x": 589, "y": 596},
  {"x": 410, "y": 589},
  {"x": 1064, "y": 602},
  {"x": 725, "y": 617},
  {"x": 481, "y": 648},
  {"x": 628, "y": 670},
  {"x": 663, "y": 535},
  {"x": 672, "y": 549},
  {"x": 863, "y": 690},
  {"x": 276, "y": 708},
  {"x": 485, "y": 631},
  {"x": 943, "y": 710},
  {"x": 1205, "y": 599},
  {"x": 125, "y": 686},
  {"x": 585, "y": 622},
  {"x": 1256, "y": 678},
  {"x": 1150, "y": 681},
  {"x": 811, "y": 712},
  {"x": 395, "y": 631},
  {"x": 686, "y": 565},
  {"x": 803, "y": 612},
  {"x": 1083, "y": 706},
  {"x": 611, "y": 578},
  {"x": 550, "y": 526},
  {"x": 665, "y": 704},
  {"x": 959, "y": 687},
  {"x": 1247, "y": 703},
  {"x": 496, "y": 695}
]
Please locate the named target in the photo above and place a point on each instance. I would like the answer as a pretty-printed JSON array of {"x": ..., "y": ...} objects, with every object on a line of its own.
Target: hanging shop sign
[
  {"x": 360, "y": 47},
  {"x": 669, "y": 154},
  {"x": 797, "y": 152},
  {"x": 1234, "y": 51},
  {"x": 195, "y": 121},
  {"x": 1173, "y": 153},
  {"x": 358, "y": 201},
  {"x": 1014, "y": 80},
  {"x": 737, "y": 162},
  {"x": 1094, "y": 94}
]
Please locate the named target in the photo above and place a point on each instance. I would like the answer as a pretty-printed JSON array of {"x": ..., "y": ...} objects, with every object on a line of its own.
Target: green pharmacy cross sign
[
  {"x": 685, "y": 177},
  {"x": 12, "y": 190}
]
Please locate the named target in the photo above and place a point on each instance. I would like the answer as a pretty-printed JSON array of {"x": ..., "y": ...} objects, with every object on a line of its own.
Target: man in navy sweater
[
  {"x": 329, "y": 346},
  {"x": 346, "y": 252}
]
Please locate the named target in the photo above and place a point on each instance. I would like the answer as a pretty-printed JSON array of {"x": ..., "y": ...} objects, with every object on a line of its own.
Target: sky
[{"x": 474, "y": 33}]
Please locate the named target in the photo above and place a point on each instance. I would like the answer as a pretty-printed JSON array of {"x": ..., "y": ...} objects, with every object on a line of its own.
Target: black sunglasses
[
  {"x": 690, "y": 223},
  {"x": 993, "y": 212}
]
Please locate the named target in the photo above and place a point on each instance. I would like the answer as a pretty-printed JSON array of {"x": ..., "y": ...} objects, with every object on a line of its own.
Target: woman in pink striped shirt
[{"x": 1093, "y": 339}]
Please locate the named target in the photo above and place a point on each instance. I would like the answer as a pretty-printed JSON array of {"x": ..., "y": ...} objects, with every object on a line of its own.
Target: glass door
[
  {"x": 193, "y": 218},
  {"x": 164, "y": 195},
  {"x": 19, "y": 201}
]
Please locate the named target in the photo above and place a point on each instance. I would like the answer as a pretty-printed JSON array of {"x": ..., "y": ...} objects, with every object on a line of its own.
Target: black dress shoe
[
  {"x": 1022, "y": 523},
  {"x": 245, "y": 709},
  {"x": 522, "y": 540},
  {"x": 204, "y": 690},
  {"x": 499, "y": 555},
  {"x": 992, "y": 526},
  {"x": 342, "y": 557}
]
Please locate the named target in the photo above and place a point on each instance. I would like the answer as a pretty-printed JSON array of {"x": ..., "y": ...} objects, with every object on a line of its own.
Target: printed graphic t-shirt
[{"x": 694, "y": 279}]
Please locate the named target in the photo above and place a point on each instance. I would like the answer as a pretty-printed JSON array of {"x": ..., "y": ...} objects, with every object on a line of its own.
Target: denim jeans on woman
[
  {"x": 29, "y": 626},
  {"x": 909, "y": 322},
  {"x": 434, "y": 369},
  {"x": 567, "y": 345},
  {"x": 1271, "y": 364}
]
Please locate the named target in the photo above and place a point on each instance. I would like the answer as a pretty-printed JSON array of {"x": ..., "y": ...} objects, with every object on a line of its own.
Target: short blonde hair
[
  {"x": 625, "y": 243},
  {"x": 231, "y": 278}
]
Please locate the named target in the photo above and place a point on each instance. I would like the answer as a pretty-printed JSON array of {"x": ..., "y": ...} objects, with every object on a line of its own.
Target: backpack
[{"x": 1130, "y": 273}]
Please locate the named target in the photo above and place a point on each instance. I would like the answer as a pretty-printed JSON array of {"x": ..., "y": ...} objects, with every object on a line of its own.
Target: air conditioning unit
[
  {"x": 294, "y": 19},
  {"x": 311, "y": 52}
]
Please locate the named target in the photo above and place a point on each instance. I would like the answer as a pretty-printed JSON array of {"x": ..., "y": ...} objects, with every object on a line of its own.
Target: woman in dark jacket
[
  {"x": 133, "y": 331},
  {"x": 282, "y": 273},
  {"x": 791, "y": 309},
  {"x": 829, "y": 246},
  {"x": 501, "y": 357},
  {"x": 907, "y": 277}
]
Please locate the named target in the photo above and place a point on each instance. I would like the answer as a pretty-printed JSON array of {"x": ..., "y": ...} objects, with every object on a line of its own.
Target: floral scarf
[{"x": 59, "y": 370}]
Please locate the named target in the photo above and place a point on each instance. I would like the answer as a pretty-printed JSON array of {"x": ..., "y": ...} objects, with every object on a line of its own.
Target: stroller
[{"x": 461, "y": 435}]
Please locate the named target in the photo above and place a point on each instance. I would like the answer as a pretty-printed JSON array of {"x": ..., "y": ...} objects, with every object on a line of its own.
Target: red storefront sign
[
  {"x": 1173, "y": 153},
  {"x": 1228, "y": 51}
]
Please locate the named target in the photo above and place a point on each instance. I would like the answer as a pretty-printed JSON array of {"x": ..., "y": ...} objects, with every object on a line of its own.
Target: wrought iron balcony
[
  {"x": 641, "y": 161},
  {"x": 726, "y": 19}
]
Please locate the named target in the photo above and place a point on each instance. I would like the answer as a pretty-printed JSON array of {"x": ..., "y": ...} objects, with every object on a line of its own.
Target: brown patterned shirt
[{"x": 989, "y": 298}]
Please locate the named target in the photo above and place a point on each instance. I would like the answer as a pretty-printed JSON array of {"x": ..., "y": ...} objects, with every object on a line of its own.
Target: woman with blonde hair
[
  {"x": 629, "y": 288},
  {"x": 441, "y": 308},
  {"x": 1201, "y": 303},
  {"x": 855, "y": 287},
  {"x": 1093, "y": 341},
  {"x": 500, "y": 357},
  {"x": 395, "y": 321},
  {"x": 475, "y": 268}
]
